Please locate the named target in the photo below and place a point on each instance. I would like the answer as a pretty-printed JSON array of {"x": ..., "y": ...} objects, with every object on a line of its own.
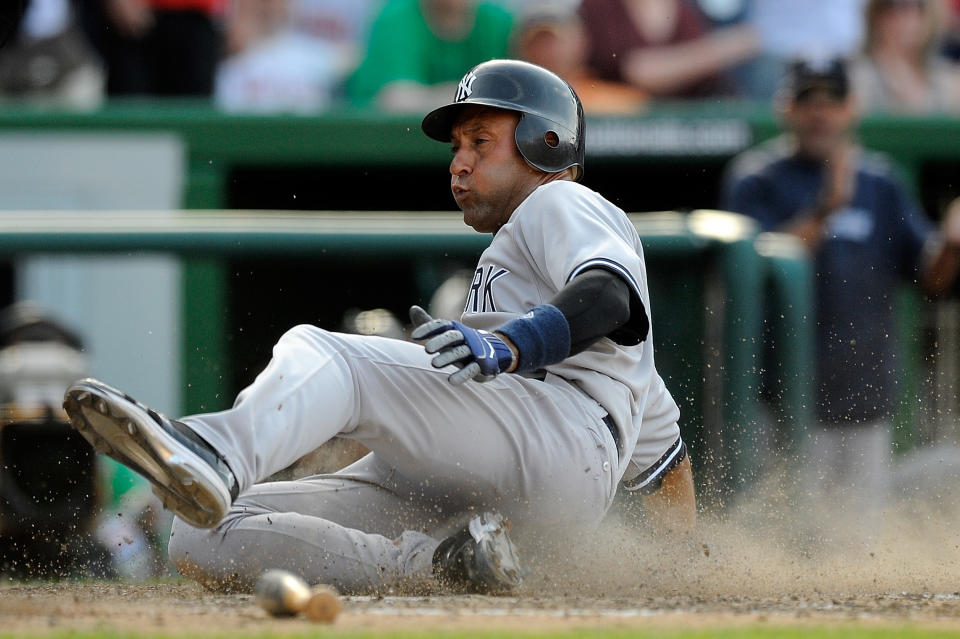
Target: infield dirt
[
  {"x": 777, "y": 555},
  {"x": 764, "y": 565}
]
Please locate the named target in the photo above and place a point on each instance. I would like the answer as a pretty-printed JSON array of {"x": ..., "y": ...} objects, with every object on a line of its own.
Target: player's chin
[
  {"x": 463, "y": 199},
  {"x": 476, "y": 221}
]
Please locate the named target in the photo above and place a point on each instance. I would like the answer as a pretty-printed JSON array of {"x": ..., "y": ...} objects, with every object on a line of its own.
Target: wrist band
[{"x": 541, "y": 336}]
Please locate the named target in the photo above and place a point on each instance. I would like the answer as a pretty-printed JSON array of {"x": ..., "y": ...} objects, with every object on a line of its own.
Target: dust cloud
[{"x": 777, "y": 540}]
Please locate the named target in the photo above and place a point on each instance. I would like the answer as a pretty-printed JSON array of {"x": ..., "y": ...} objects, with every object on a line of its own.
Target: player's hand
[
  {"x": 480, "y": 355},
  {"x": 951, "y": 225}
]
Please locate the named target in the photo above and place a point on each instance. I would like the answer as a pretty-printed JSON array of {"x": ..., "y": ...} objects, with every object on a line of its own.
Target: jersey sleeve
[
  {"x": 659, "y": 447},
  {"x": 567, "y": 233}
]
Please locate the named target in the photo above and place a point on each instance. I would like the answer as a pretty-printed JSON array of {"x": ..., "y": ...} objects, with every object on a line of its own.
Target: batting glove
[{"x": 480, "y": 355}]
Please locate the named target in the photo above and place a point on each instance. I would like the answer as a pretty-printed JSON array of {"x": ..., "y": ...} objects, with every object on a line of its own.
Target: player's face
[
  {"x": 820, "y": 122},
  {"x": 489, "y": 177}
]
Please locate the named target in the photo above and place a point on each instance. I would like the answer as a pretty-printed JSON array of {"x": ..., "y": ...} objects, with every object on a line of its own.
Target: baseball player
[{"x": 530, "y": 409}]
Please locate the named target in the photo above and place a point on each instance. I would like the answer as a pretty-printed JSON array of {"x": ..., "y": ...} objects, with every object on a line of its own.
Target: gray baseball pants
[{"x": 536, "y": 451}]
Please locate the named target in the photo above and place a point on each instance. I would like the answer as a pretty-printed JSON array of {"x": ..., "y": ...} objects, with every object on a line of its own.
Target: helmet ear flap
[{"x": 547, "y": 146}]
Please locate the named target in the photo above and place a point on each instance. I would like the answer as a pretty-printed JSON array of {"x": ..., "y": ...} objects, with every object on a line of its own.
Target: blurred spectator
[
  {"x": 49, "y": 60},
  {"x": 901, "y": 70},
  {"x": 156, "y": 47},
  {"x": 418, "y": 49},
  {"x": 271, "y": 66},
  {"x": 341, "y": 24},
  {"x": 790, "y": 29},
  {"x": 951, "y": 36},
  {"x": 552, "y": 36},
  {"x": 867, "y": 236},
  {"x": 11, "y": 12},
  {"x": 723, "y": 12},
  {"x": 663, "y": 47}
]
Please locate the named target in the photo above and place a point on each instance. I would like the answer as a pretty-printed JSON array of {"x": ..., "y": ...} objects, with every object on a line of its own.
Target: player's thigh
[
  {"x": 362, "y": 496},
  {"x": 532, "y": 445},
  {"x": 513, "y": 443}
]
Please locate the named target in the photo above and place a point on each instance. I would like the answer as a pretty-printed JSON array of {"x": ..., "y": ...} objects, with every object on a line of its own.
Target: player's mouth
[{"x": 459, "y": 192}]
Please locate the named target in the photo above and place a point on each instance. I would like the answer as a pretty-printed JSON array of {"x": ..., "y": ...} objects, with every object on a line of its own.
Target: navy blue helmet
[{"x": 546, "y": 104}]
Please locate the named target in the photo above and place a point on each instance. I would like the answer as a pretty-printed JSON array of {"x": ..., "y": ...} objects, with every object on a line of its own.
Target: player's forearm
[
  {"x": 807, "y": 227},
  {"x": 665, "y": 69},
  {"x": 808, "y": 224},
  {"x": 593, "y": 305},
  {"x": 941, "y": 270},
  {"x": 673, "y": 508},
  {"x": 839, "y": 186},
  {"x": 596, "y": 303}
]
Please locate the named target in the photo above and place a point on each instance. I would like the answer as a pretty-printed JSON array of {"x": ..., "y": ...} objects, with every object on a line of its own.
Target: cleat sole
[{"x": 121, "y": 429}]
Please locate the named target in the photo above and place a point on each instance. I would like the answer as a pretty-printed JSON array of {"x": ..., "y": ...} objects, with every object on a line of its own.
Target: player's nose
[{"x": 460, "y": 163}]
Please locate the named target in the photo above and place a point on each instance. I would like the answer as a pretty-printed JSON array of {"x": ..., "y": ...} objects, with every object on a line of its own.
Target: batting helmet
[{"x": 546, "y": 103}]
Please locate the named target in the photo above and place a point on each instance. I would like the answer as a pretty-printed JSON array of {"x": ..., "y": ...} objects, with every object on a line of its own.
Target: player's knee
[
  {"x": 300, "y": 337},
  {"x": 309, "y": 338},
  {"x": 301, "y": 332}
]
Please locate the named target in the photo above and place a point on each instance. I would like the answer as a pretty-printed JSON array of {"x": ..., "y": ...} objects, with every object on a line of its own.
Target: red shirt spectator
[{"x": 683, "y": 59}]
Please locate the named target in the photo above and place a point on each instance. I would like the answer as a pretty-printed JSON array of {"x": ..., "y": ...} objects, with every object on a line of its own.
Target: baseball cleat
[
  {"x": 479, "y": 559},
  {"x": 188, "y": 475}
]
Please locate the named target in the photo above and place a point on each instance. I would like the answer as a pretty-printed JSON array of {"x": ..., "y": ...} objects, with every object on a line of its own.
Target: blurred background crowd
[{"x": 405, "y": 55}]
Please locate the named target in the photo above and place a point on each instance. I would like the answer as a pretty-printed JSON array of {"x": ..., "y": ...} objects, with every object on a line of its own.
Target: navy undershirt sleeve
[
  {"x": 599, "y": 303},
  {"x": 596, "y": 303}
]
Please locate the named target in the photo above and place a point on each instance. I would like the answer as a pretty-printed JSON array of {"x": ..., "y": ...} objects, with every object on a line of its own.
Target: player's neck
[{"x": 524, "y": 193}]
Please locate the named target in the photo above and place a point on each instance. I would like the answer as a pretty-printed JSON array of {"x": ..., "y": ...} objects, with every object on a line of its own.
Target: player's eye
[{"x": 454, "y": 149}]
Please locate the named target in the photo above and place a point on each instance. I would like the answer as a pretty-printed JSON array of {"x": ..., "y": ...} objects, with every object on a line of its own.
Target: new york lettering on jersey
[{"x": 480, "y": 297}]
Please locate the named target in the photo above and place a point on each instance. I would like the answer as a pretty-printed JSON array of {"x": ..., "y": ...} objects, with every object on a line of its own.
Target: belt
[{"x": 613, "y": 430}]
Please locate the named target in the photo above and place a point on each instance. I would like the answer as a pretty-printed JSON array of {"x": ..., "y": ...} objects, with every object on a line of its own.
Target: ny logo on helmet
[{"x": 465, "y": 88}]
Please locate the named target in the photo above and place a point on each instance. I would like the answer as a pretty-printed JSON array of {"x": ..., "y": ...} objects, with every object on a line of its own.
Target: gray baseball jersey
[{"x": 559, "y": 231}]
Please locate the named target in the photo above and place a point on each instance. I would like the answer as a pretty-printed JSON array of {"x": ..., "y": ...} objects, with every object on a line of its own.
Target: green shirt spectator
[{"x": 418, "y": 50}]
